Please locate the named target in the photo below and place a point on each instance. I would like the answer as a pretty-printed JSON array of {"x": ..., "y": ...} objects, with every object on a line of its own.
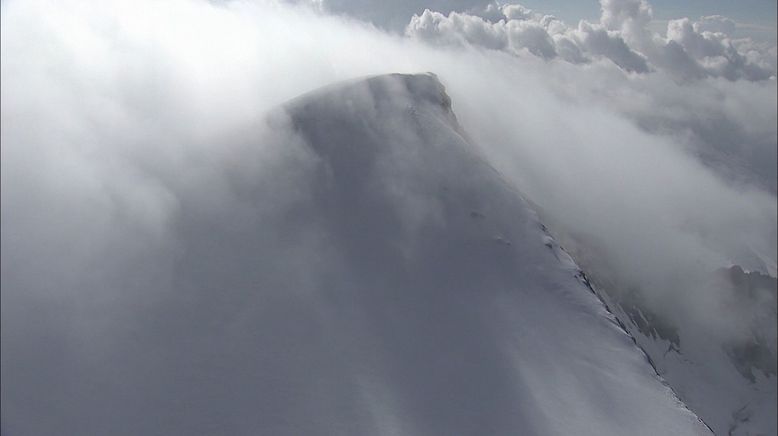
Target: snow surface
[
  {"x": 397, "y": 287},
  {"x": 704, "y": 375},
  {"x": 734, "y": 392}
]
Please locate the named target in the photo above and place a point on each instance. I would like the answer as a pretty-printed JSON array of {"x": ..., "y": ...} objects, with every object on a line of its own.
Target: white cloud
[
  {"x": 124, "y": 124},
  {"x": 530, "y": 36},
  {"x": 598, "y": 41},
  {"x": 457, "y": 28},
  {"x": 630, "y": 16},
  {"x": 518, "y": 12},
  {"x": 689, "y": 50},
  {"x": 715, "y": 24}
]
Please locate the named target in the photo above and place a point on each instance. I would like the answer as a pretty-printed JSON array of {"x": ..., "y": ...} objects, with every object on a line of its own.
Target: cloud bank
[
  {"x": 128, "y": 127},
  {"x": 688, "y": 50}
]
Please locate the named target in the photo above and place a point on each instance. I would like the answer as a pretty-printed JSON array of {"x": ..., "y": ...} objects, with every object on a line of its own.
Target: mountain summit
[
  {"x": 375, "y": 276},
  {"x": 457, "y": 310}
]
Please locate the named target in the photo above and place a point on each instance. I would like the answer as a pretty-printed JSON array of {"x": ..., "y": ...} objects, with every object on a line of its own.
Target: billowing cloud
[
  {"x": 630, "y": 16},
  {"x": 689, "y": 50},
  {"x": 608, "y": 44},
  {"x": 715, "y": 24},
  {"x": 126, "y": 134},
  {"x": 457, "y": 28}
]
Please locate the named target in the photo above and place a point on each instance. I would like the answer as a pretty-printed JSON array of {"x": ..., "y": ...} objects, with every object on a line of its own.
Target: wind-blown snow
[
  {"x": 130, "y": 127},
  {"x": 407, "y": 289}
]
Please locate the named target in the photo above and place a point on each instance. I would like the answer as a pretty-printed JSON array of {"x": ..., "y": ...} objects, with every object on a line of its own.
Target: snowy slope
[
  {"x": 380, "y": 278},
  {"x": 730, "y": 382},
  {"x": 725, "y": 371}
]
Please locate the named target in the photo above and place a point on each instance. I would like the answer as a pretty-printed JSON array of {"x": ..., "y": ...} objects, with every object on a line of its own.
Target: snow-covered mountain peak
[
  {"x": 421, "y": 88},
  {"x": 356, "y": 269},
  {"x": 442, "y": 252}
]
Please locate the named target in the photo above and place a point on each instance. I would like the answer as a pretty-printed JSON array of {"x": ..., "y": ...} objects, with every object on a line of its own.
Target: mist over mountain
[
  {"x": 244, "y": 217},
  {"x": 406, "y": 289}
]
